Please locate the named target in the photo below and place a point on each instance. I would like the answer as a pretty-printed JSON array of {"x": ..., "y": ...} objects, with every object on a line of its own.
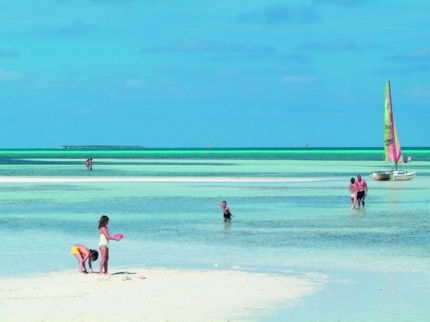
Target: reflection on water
[{"x": 227, "y": 225}]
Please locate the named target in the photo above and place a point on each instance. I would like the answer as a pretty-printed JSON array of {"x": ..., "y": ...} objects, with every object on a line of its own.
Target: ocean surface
[{"x": 291, "y": 209}]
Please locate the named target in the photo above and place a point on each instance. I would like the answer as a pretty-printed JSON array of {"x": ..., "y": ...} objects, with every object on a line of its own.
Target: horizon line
[{"x": 130, "y": 147}]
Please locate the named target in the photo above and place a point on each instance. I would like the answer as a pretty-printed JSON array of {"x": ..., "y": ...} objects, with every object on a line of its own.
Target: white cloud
[
  {"x": 299, "y": 79},
  {"x": 75, "y": 27},
  {"x": 196, "y": 46},
  {"x": 280, "y": 13},
  {"x": 10, "y": 76},
  {"x": 133, "y": 83},
  {"x": 344, "y": 44},
  {"x": 341, "y": 2},
  {"x": 416, "y": 55},
  {"x": 419, "y": 91}
]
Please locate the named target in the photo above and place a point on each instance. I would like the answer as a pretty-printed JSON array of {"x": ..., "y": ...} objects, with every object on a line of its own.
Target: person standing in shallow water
[
  {"x": 87, "y": 164},
  {"x": 91, "y": 164},
  {"x": 361, "y": 190},
  {"x": 227, "y": 213},
  {"x": 353, "y": 190}
]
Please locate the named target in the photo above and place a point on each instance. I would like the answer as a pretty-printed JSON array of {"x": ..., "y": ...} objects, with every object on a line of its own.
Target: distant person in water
[
  {"x": 361, "y": 190},
  {"x": 226, "y": 212},
  {"x": 353, "y": 190},
  {"x": 87, "y": 164},
  {"x": 408, "y": 159},
  {"x": 83, "y": 254},
  {"x": 91, "y": 163}
]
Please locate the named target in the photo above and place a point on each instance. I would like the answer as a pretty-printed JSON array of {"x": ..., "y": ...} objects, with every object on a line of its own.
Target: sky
[{"x": 178, "y": 74}]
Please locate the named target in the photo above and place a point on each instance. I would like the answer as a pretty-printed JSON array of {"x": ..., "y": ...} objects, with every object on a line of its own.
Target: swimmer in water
[{"x": 227, "y": 213}]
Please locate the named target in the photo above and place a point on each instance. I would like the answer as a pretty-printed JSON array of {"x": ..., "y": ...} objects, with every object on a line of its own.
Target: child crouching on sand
[{"x": 83, "y": 254}]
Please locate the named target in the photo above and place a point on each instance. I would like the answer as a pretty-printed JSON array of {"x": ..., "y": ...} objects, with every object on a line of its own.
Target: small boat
[
  {"x": 393, "y": 152},
  {"x": 381, "y": 175},
  {"x": 401, "y": 175}
]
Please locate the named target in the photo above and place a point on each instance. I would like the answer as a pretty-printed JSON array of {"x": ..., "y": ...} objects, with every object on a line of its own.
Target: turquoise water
[
  {"x": 374, "y": 261},
  {"x": 263, "y": 163}
]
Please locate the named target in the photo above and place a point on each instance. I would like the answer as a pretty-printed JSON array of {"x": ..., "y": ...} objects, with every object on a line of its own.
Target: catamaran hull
[
  {"x": 381, "y": 175},
  {"x": 404, "y": 176}
]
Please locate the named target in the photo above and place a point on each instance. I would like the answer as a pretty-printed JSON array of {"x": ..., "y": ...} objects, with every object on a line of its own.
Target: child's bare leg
[
  {"x": 85, "y": 266},
  {"x": 103, "y": 251},
  {"x": 80, "y": 260},
  {"x": 107, "y": 261}
]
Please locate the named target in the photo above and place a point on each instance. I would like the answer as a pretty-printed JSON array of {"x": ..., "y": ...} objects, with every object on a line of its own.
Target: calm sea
[{"x": 371, "y": 264}]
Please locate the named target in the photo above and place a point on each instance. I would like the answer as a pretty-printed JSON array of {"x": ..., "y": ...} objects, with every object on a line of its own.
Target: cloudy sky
[{"x": 177, "y": 73}]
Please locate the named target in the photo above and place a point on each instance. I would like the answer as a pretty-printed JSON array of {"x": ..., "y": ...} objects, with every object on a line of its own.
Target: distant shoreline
[
  {"x": 102, "y": 147},
  {"x": 213, "y": 149}
]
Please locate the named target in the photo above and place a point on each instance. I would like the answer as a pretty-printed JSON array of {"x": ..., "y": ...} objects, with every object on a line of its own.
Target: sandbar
[
  {"x": 164, "y": 295},
  {"x": 151, "y": 179}
]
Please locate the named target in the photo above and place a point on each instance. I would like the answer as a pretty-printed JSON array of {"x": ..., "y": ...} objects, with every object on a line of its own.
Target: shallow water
[{"x": 372, "y": 262}]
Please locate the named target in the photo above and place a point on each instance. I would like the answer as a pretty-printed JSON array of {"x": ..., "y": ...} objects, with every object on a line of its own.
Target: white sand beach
[{"x": 165, "y": 295}]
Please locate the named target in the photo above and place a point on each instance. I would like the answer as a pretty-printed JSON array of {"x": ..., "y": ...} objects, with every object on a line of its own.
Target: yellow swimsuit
[{"x": 75, "y": 251}]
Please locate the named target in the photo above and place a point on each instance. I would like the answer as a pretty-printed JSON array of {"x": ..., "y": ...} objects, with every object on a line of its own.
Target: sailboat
[{"x": 393, "y": 152}]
